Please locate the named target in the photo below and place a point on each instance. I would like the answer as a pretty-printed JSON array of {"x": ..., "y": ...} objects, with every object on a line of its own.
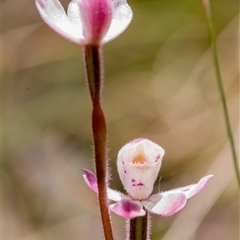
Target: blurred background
[{"x": 160, "y": 84}]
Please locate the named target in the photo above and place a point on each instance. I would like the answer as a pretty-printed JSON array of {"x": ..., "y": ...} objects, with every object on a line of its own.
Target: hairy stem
[
  {"x": 94, "y": 76},
  {"x": 207, "y": 8},
  {"x": 138, "y": 228}
]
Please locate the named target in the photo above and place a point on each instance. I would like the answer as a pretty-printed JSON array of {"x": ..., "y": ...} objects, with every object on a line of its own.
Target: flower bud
[
  {"x": 87, "y": 22},
  {"x": 138, "y": 165}
]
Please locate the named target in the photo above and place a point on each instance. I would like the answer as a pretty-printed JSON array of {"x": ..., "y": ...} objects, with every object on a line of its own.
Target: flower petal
[
  {"x": 128, "y": 209},
  {"x": 167, "y": 205},
  {"x": 114, "y": 195},
  {"x": 54, "y": 15},
  {"x": 96, "y": 18},
  {"x": 74, "y": 16},
  {"x": 91, "y": 181},
  {"x": 122, "y": 16},
  {"x": 193, "y": 189}
]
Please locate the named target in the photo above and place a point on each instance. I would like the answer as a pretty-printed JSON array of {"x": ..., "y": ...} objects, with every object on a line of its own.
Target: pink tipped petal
[
  {"x": 121, "y": 18},
  {"x": 96, "y": 17},
  {"x": 168, "y": 205},
  {"x": 193, "y": 189},
  {"x": 90, "y": 180},
  {"x": 128, "y": 209},
  {"x": 196, "y": 188},
  {"x": 54, "y": 15}
]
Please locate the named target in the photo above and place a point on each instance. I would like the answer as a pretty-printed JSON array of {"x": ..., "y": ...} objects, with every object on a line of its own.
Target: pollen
[{"x": 139, "y": 156}]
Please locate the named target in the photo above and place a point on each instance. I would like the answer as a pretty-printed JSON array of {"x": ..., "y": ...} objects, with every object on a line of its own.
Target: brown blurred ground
[{"x": 160, "y": 84}]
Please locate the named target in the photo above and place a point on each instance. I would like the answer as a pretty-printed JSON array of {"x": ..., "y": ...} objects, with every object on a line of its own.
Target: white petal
[
  {"x": 167, "y": 205},
  {"x": 193, "y": 189},
  {"x": 114, "y": 195},
  {"x": 138, "y": 164},
  {"x": 74, "y": 16},
  {"x": 122, "y": 16},
  {"x": 54, "y": 15}
]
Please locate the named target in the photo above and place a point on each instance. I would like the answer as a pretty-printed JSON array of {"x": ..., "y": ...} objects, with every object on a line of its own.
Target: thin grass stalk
[{"x": 208, "y": 12}]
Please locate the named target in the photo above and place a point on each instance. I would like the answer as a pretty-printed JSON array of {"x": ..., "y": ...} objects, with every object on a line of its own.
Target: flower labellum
[
  {"x": 87, "y": 22},
  {"x": 138, "y": 164}
]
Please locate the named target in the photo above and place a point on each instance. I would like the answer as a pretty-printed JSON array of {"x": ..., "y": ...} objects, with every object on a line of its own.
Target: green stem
[
  {"x": 207, "y": 8},
  {"x": 139, "y": 228},
  {"x": 94, "y": 76}
]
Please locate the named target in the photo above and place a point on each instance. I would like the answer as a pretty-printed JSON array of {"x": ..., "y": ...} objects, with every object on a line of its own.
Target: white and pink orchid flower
[
  {"x": 138, "y": 164},
  {"x": 87, "y": 22}
]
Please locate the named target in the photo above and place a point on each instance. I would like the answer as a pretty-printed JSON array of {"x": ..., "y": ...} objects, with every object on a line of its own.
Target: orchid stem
[
  {"x": 94, "y": 76},
  {"x": 207, "y": 8},
  {"x": 139, "y": 228}
]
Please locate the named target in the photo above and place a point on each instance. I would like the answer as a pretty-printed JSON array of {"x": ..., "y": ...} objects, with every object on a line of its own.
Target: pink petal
[
  {"x": 167, "y": 205},
  {"x": 96, "y": 18},
  {"x": 121, "y": 18},
  {"x": 193, "y": 189},
  {"x": 128, "y": 209},
  {"x": 91, "y": 181},
  {"x": 196, "y": 188},
  {"x": 54, "y": 15}
]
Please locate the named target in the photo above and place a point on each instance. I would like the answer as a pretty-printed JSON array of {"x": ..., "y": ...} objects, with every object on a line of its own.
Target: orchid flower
[
  {"x": 87, "y": 22},
  {"x": 138, "y": 164}
]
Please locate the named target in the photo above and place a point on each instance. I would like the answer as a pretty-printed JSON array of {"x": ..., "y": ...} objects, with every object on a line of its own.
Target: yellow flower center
[{"x": 140, "y": 156}]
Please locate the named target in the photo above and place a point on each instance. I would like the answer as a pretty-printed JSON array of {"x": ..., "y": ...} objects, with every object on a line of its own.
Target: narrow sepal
[{"x": 193, "y": 189}]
